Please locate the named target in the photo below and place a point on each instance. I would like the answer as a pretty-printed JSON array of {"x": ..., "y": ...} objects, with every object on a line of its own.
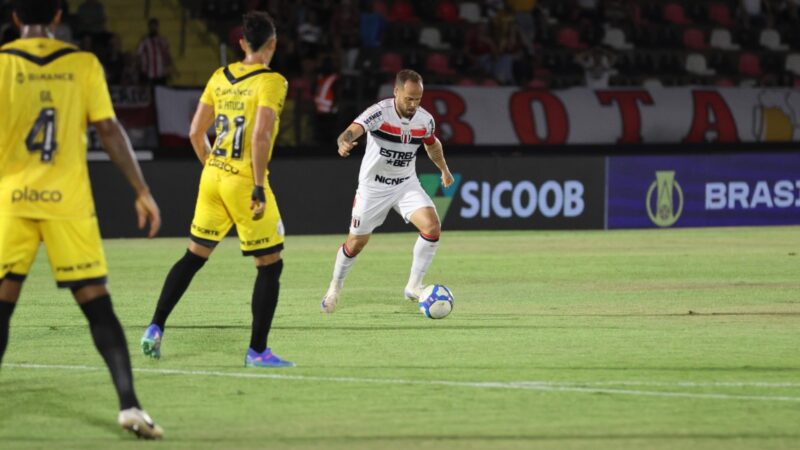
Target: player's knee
[
  {"x": 200, "y": 251},
  {"x": 432, "y": 230},
  {"x": 10, "y": 289},
  {"x": 268, "y": 259},
  {"x": 352, "y": 247},
  {"x": 88, "y": 292}
]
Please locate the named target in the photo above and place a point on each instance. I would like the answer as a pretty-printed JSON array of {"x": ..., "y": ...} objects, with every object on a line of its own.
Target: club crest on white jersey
[{"x": 392, "y": 144}]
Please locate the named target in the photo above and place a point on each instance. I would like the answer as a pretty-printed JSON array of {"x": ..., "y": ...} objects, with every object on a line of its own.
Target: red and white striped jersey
[
  {"x": 154, "y": 56},
  {"x": 392, "y": 144}
]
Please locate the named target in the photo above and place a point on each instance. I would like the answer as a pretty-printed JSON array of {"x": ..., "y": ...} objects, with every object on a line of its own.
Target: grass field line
[{"x": 545, "y": 386}]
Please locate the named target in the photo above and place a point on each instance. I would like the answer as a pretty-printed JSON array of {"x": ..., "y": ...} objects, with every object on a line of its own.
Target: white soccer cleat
[
  {"x": 139, "y": 423},
  {"x": 329, "y": 301},
  {"x": 412, "y": 294}
]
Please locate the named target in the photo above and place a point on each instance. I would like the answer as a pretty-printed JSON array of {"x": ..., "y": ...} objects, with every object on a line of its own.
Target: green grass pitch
[{"x": 621, "y": 340}]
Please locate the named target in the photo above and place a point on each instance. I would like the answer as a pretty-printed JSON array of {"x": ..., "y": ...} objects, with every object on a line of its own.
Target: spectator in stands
[
  {"x": 786, "y": 8},
  {"x": 509, "y": 50},
  {"x": 481, "y": 48},
  {"x": 113, "y": 59},
  {"x": 130, "y": 70},
  {"x": 588, "y": 9},
  {"x": 155, "y": 60},
  {"x": 756, "y": 13},
  {"x": 371, "y": 27},
  {"x": 492, "y": 7},
  {"x": 523, "y": 10},
  {"x": 350, "y": 52},
  {"x": 344, "y": 24},
  {"x": 447, "y": 11},
  {"x": 402, "y": 12},
  {"x": 235, "y": 34},
  {"x": 63, "y": 32},
  {"x": 91, "y": 16},
  {"x": 309, "y": 34},
  {"x": 598, "y": 66},
  {"x": 325, "y": 100},
  {"x": 301, "y": 94},
  {"x": 621, "y": 12},
  {"x": 86, "y": 43}
]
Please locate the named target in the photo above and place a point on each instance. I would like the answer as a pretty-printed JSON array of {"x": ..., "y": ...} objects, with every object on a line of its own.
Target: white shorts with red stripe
[{"x": 370, "y": 208}]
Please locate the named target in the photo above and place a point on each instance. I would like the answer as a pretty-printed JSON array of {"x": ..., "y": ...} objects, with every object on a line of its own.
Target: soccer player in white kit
[{"x": 388, "y": 180}]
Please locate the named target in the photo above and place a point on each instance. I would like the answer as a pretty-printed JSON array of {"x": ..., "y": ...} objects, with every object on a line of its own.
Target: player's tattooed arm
[
  {"x": 436, "y": 154},
  {"x": 347, "y": 140},
  {"x": 202, "y": 120}
]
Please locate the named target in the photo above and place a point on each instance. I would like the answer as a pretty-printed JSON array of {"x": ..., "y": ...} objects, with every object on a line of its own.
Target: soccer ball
[{"x": 436, "y": 301}]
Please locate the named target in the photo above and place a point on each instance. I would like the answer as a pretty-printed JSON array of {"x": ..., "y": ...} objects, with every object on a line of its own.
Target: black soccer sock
[
  {"x": 6, "y": 309},
  {"x": 110, "y": 342},
  {"x": 175, "y": 285},
  {"x": 265, "y": 300}
]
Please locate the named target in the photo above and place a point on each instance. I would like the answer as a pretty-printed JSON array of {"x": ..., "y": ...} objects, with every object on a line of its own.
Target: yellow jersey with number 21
[{"x": 236, "y": 91}]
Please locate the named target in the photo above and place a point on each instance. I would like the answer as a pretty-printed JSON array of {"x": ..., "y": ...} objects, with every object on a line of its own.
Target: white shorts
[{"x": 370, "y": 208}]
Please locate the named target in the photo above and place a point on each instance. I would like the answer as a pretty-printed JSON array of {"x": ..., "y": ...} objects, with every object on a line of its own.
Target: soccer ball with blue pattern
[{"x": 436, "y": 301}]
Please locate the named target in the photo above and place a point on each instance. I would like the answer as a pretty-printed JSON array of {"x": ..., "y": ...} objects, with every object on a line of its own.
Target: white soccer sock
[
  {"x": 342, "y": 267},
  {"x": 424, "y": 251}
]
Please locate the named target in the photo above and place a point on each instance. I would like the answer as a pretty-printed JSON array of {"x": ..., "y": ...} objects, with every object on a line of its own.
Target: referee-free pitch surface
[{"x": 685, "y": 338}]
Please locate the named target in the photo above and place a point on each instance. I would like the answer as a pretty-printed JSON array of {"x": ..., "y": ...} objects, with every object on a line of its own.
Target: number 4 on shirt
[{"x": 45, "y": 126}]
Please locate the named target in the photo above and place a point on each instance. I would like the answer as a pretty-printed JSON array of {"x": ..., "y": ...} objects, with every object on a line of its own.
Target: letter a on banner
[{"x": 712, "y": 120}]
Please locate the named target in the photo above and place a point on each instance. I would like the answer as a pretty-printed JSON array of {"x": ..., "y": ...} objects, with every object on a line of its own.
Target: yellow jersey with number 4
[
  {"x": 236, "y": 91},
  {"x": 49, "y": 92}
]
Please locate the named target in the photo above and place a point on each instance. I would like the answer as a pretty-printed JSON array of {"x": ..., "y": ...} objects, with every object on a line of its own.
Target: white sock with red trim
[
  {"x": 424, "y": 251},
  {"x": 344, "y": 262}
]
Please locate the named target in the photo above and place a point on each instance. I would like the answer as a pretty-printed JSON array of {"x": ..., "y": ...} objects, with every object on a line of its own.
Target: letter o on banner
[
  {"x": 521, "y": 209},
  {"x": 558, "y": 199}
]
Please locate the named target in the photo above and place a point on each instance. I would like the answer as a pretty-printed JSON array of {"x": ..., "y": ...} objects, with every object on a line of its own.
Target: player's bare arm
[
  {"x": 347, "y": 140},
  {"x": 118, "y": 146},
  {"x": 202, "y": 120},
  {"x": 262, "y": 138},
  {"x": 436, "y": 154}
]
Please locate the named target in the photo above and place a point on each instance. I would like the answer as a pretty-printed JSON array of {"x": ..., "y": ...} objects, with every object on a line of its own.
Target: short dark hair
[
  {"x": 407, "y": 75},
  {"x": 36, "y": 12},
  {"x": 258, "y": 28}
]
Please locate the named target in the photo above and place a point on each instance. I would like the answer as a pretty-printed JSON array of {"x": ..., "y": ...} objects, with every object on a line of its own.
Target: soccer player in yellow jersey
[
  {"x": 244, "y": 101},
  {"x": 49, "y": 92}
]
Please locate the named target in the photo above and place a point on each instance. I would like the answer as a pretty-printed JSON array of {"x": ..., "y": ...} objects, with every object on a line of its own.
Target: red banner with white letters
[{"x": 509, "y": 116}]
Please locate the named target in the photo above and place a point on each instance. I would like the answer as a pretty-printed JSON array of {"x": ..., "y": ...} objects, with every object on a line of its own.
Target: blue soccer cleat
[
  {"x": 265, "y": 359},
  {"x": 151, "y": 341}
]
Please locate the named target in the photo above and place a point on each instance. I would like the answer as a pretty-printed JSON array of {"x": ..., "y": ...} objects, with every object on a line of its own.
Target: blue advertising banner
[{"x": 700, "y": 191}]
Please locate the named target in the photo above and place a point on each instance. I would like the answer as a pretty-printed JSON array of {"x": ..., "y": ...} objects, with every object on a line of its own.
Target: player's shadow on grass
[{"x": 58, "y": 407}]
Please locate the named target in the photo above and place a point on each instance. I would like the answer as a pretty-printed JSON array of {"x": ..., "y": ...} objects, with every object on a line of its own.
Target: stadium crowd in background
[
  {"x": 532, "y": 43},
  {"x": 337, "y": 54}
]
